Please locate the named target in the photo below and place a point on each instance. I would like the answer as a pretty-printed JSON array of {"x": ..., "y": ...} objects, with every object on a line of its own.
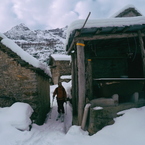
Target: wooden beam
[
  {"x": 81, "y": 79},
  {"x": 106, "y": 36},
  {"x": 141, "y": 44},
  {"x": 98, "y": 31},
  {"x": 77, "y": 33},
  {"x": 99, "y": 37},
  {"x": 114, "y": 30},
  {"x": 142, "y": 50},
  {"x": 125, "y": 29}
]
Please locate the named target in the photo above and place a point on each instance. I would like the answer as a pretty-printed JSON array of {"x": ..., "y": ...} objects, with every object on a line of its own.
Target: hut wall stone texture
[
  {"x": 61, "y": 68},
  {"x": 19, "y": 84},
  {"x": 105, "y": 116},
  {"x": 43, "y": 97}
]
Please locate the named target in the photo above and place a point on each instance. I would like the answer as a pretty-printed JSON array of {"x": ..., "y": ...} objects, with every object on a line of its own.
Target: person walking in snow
[{"x": 61, "y": 98}]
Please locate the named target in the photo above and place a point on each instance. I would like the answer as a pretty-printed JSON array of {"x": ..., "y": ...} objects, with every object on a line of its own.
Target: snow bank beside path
[
  {"x": 18, "y": 115},
  {"x": 128, "y": 129}
]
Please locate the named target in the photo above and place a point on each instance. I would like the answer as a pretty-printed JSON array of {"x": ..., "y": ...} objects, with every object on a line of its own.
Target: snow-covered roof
[
  {"x": 92, "y": 25},
  {"x": 61, "y": 57},
  {"x": 126, "y": 8},
  {"x": 65, "y": 77},
  {"x": 2, "y": 35},
  {"x": 110, "y": 22},
  {"x": 24, "y": 55}
]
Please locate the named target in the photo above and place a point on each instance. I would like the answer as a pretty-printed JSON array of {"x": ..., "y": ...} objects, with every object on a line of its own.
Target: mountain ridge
[{"x": 38, "y": 43}]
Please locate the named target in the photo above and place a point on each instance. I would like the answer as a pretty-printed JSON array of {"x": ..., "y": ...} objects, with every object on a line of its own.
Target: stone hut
[
  {"x": 108, "y": 67},
  {"x": 60, "y": 66},
  {"x": 23, "y": 79}
]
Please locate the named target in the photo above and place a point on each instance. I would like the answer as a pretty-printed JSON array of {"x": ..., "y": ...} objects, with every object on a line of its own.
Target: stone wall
[
  {"x": 20, "y": 84},
  {"x": 43, "y": 98},
  {"x": 61, "y": 68},
  {"x": 101, "y": 117}
]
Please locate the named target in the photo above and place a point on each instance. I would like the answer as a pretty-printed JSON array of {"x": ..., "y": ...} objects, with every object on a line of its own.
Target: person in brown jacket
[{"x": 61, "y": 98}]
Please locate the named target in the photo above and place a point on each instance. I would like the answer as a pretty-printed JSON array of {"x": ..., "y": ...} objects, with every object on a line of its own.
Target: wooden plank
[
  {"x": 81, "y": 80},
  {"x": 119, "y": 79},
  {"x": 106, "y": 36}
]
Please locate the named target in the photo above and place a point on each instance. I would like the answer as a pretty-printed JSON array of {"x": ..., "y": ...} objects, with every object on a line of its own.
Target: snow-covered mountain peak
[
  {"x": 39, "y": 43},
  {"x": 20, "y": 27}
]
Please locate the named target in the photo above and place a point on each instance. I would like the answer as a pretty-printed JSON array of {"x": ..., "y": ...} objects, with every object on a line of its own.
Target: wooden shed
[
  {"x": 23, "y": 79},
  {"x": 128, "y": 11},
  {"x": 107, "y": 59},
  {"x": 60, "y": 66}
]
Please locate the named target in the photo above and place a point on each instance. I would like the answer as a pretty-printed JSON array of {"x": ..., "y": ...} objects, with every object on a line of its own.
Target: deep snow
[{"x": 128, "y": 129}]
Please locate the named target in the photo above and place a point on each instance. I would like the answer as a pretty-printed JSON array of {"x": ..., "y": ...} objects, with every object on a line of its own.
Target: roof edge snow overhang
[
  {"x": 104, "y": 29},
  {"x": 22, "y": 62}
]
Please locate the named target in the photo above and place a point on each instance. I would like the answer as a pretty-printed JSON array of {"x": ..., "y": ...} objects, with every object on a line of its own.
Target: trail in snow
[
  {"x": 51, "y": 130},
  {"x": 58, "y": 125},
  {"x": 52, "y": 124}
]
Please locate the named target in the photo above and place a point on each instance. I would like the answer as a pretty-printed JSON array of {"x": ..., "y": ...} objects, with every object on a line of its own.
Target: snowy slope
[{"x": 38, "y": 43}]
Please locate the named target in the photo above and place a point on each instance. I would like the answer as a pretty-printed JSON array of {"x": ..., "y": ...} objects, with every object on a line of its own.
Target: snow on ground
[{"x": 128, "y": 129}]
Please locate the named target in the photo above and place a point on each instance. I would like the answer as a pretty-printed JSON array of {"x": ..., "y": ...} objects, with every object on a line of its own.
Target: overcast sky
[{"x": 48, "y": 14}]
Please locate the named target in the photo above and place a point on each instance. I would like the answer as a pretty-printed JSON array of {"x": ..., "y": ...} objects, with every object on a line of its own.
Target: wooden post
[
  {"x": 74, "y": 84},
  {"x": 81, "y": 79},
  {"x": 142, "y": 50},
  {"x": 89, "y": 79}
]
